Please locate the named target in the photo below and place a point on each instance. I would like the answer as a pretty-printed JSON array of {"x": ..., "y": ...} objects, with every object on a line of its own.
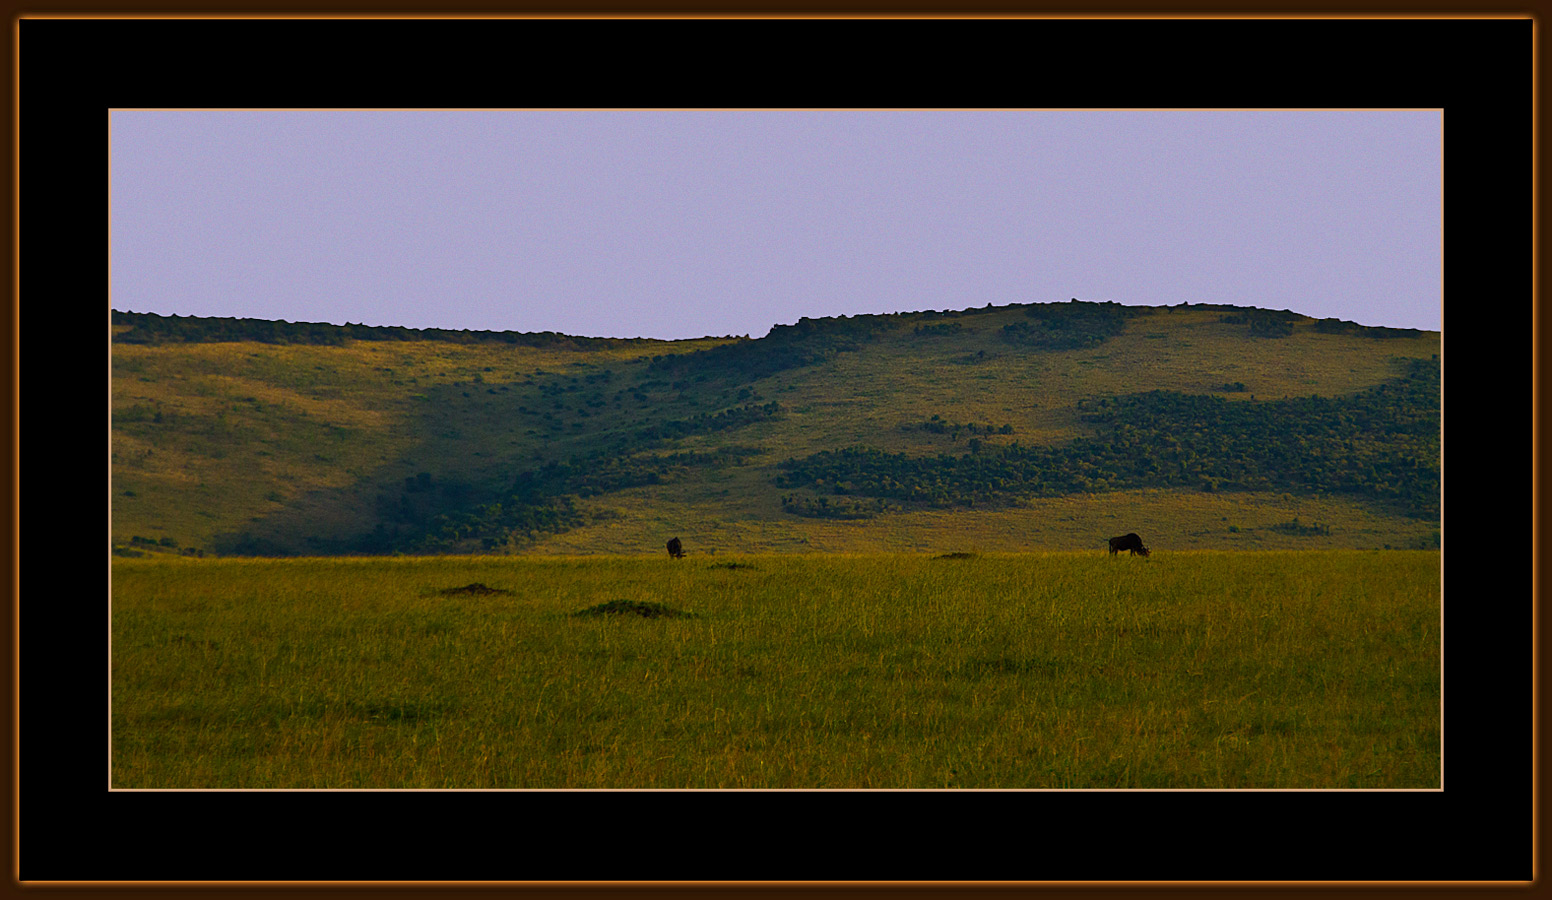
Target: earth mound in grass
[
  {"x": 958, "y": 554},
  {"x": 476, "y": 588},
  {"x": 635, "y": 608},
  {"x": 730, "y": 565}
]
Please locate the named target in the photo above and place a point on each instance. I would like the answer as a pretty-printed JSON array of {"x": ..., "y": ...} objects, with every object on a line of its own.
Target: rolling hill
[{"x": 1002, "y": 428}]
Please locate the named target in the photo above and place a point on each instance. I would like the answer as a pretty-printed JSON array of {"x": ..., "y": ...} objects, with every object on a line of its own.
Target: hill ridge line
[{"x": 149, "y": 327}]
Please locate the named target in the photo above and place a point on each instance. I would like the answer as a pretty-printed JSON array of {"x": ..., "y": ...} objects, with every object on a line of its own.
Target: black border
[{"x": 73, "y": 70}]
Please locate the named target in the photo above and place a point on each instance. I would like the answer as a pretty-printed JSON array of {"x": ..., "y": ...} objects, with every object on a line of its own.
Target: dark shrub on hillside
[
  {"x": 150, "y": 328},
  {"x": 938, "y": 328},
  {"x": 832, "y": 507},
  {"x": 736, "y": 417},
  {"x": 806, "y": 343},
  {"x": 937, "y": 425},
  {"x": 1381, "y": 443},
  {"x": 1298, "y": 529},
  {"x": 1341, "y": 326},
  {"x": 1070, "y": 326},
  {"x": 1272, "y": 323}
]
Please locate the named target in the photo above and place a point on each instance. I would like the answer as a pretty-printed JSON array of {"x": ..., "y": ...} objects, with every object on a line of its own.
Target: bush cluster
[
  {"x": 150, "y": 328},
  {"x": 142, "y": 541},
  {"x": 736, "y": 417},
  {"x": 937, "y": 425},
  {"x": 1299, "y": 529},
  {"x": 1272, "y": 323},
  {"x": 937, "y": 328},
  {"x": 806, "y": 343},
  {"x": 1069, "y": 326},
  {"x": 833, "y": 508},
  {"x": 1377, "y": 332},
  {"x": 1382, "y": 443}
]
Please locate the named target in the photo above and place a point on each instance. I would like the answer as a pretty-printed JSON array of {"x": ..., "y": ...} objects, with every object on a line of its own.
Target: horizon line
[{"x": 750, "y": 336}]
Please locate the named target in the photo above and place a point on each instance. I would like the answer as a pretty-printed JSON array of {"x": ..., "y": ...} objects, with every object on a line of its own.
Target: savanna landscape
[{"x": 367, "y": 557}]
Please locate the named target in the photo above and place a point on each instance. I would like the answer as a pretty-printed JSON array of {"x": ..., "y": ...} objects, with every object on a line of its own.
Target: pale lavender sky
[{"x": 674, "y": 224}]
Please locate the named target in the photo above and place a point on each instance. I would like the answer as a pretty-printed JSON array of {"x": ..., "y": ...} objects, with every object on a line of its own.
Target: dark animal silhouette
[
  {"x": 1128, "y": 542},
  {"x": 675, "y": 549}
]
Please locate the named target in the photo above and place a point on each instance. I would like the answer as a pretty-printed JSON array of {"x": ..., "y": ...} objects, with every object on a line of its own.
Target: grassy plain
[{"x": 1197, "y": 669}]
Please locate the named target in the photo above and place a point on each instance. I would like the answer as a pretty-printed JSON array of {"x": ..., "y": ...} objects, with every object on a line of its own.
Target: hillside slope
[{"x": 1035, "y": 426}]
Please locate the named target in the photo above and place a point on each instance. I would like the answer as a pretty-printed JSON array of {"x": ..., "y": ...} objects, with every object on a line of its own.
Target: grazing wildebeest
[
  {"x": 675, "y": 549},
  {"x": 1128, "y": 542}
]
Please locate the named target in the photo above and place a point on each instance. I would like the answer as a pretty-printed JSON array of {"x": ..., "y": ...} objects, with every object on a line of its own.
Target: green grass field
[{"x": 1193, "y": 669}]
